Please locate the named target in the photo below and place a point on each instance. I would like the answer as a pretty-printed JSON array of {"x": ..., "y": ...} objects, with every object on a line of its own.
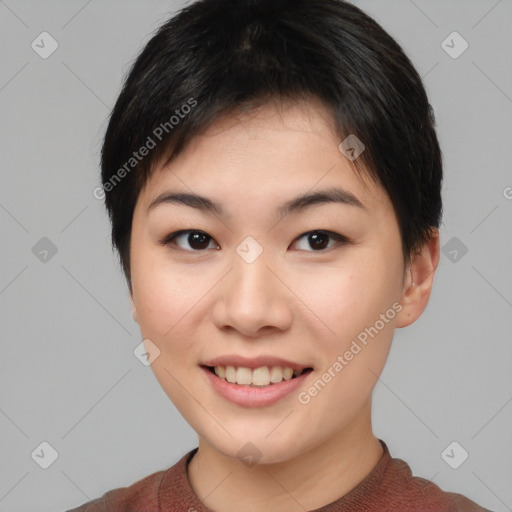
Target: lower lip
[{"x": 252, "y": 396}]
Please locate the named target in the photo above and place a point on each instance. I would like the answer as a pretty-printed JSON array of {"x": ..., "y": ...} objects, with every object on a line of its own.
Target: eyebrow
[{"x": 297, "y": 204}]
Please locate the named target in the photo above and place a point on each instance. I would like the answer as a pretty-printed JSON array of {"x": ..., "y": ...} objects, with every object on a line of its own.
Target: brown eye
[
  {"x": 318, "y": 240},
  {"x": 196, "y": 240}
]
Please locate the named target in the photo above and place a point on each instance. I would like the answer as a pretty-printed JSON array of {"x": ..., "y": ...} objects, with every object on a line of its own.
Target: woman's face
[{"x": 263, "y": 284}]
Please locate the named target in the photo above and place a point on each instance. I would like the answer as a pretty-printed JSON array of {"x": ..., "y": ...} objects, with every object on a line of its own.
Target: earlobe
[
  {"x": 134, "y": 309},
  {"x": 419, "y": 281}
]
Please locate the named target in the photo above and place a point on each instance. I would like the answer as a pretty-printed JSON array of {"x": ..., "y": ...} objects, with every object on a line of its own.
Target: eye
[
  {"x": 197, "y": 240},
  {"x": 319, "y": 239}
]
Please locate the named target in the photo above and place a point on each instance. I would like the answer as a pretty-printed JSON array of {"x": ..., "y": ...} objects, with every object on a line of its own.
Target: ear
[
  {"x": 418, "y": 281},
  {"x": 134, "y": 309}
]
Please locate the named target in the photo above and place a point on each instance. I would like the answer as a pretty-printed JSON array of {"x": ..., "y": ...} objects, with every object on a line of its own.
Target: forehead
[{"x": 265, "y": 155}]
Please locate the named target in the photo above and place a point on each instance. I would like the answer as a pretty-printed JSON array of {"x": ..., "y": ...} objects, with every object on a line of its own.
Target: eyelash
[{"x": 169, "y": 239}]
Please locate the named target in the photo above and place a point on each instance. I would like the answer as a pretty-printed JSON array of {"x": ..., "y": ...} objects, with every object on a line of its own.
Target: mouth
[{"x": 263, "y": 376}]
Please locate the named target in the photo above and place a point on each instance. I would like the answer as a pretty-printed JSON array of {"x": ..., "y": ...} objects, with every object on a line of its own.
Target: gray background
[{"x": 68, "y": 375}]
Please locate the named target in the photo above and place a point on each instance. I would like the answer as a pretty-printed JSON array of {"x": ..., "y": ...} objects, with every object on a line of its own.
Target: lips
[
  {"x": 254, "y": 395},
  {"x": 255, "y": 362}
]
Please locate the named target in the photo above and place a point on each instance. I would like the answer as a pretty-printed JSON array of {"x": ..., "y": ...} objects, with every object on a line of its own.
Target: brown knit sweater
[{"x": 390, "y": 487}]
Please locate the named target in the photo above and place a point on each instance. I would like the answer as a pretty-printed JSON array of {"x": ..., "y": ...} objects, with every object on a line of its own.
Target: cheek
[
  {"x": 171, "y": 304},
  {"x": 353, "y": 306},
  {"x": 354, "y": 345},
  {"x": 162, "y": 313},
  {"x": 161, "y": 296},
  {"x": 347, "y": 298}
]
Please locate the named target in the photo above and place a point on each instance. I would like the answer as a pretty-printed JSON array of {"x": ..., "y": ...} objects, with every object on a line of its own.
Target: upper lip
[{"x": 254, "y": 362}]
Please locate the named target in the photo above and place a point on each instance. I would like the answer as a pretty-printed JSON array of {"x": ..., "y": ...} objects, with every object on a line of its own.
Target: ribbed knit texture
[{"x": 390, "y": 487}]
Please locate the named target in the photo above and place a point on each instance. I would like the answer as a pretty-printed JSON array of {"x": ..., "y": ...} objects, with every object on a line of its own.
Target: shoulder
[
  {"x": 141, "y": 496},
  {"x": 169, "y": 486},
  {"x": 415, "y": 493}
]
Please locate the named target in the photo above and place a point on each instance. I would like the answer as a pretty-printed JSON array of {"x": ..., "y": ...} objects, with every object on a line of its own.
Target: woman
[{"x": 273, "y": 178}]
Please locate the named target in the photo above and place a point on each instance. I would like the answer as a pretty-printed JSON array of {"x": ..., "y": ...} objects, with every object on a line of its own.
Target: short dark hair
[{"x": 216, "y": 56}]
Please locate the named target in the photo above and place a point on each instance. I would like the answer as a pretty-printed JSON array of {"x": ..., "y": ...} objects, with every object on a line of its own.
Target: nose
[{"x": 253, "y": 299}]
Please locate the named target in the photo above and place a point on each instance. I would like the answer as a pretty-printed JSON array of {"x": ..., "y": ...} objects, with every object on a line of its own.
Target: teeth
[
  {"x": 243, "y": 376},
  {"x": 287, "y": 373},
  {"x": 231, "y": 374},
  {"x": 220, "y": 371},
  {"x": 276, "y": 374},
  {"x": 262, "y": 376}
]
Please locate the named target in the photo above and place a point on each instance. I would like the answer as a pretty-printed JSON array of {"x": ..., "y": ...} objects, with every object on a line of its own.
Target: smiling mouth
[{"x": 257, "y": 377}]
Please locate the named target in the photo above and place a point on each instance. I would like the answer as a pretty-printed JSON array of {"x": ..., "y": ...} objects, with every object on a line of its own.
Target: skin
[{"x": 293, "y": 302}]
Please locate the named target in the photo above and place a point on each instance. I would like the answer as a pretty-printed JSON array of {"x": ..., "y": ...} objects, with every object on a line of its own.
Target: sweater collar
[{"x": 175, "y": 493}]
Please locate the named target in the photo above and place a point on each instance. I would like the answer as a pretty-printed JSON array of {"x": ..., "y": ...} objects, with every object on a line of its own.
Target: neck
[{"x": 309, "y": 481}]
